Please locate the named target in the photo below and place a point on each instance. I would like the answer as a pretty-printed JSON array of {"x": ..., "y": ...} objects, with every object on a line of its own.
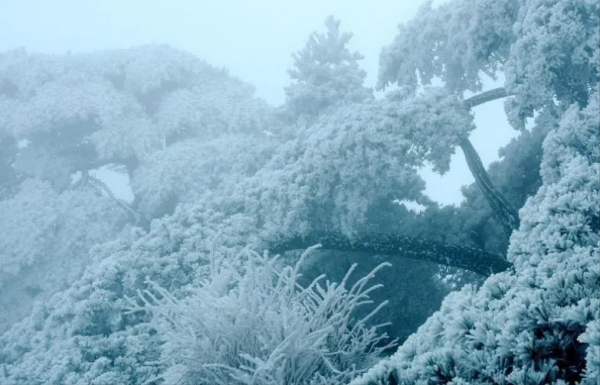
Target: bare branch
[{"x": 502, "y": 209}]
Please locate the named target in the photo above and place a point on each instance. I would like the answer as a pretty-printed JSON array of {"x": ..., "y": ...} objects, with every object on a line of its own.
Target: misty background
[{"x": 253, "y": 40}]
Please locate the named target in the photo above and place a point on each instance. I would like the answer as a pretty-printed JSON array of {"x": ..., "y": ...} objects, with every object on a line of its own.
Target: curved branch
[
  {"x": 487, "y": 96},
  {"x": 475, "y": 260},
  {"x": 502, "y": 209}
]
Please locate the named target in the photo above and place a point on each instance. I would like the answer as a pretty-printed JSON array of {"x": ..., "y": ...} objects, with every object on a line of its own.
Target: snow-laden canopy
[{"x": 214, "y": 170}]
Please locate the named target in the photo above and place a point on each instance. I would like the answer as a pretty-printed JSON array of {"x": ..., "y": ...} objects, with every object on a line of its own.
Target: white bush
[{"x": 250, "y": 322}]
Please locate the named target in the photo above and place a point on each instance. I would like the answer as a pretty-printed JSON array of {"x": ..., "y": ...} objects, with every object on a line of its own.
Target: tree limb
[
  {"x": 502, "y": 209},
  {"x": 487, "y": 96},
  {"x": 475, "y": 260}
]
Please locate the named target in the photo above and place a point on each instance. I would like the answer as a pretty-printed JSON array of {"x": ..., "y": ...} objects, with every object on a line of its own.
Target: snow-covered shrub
[{"x": 251, "y": 322}]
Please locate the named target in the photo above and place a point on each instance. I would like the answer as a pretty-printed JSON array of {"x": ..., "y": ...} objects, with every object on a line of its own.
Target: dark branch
[
  {"x": 506, "y": 215},
  {"x": 503, "y": 210},
  {"x": 475, "y": 260}
]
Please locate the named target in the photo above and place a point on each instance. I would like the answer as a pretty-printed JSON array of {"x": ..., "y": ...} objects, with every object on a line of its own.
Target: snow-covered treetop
[
  {"x": 114, "y": 106},
  {"x": 335, "y": 169},
  {"x": 547, "y": 49},
  {"x": 325, "y": 73},
  {"x": 454, "y": 42},
  {"x": 556, "y": 54}
]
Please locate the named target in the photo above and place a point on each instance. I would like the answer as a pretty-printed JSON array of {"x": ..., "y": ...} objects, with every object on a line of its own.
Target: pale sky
[{"x": 253, "y": 39}]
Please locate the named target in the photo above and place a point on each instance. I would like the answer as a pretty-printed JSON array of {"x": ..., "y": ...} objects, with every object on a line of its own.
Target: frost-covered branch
[
  {"x": 487, "y": 96},
  {"x": 475, "y": 260}
]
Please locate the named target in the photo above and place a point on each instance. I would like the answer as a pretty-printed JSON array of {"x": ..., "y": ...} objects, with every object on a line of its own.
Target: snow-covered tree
[
  {"x": 555, "y": 55},
  {"x": 539, "y": 323},
  {"x": 325, "y": 74},
  {"x": 82, "y": 111},
  {"x": 547, "y": 49},
  {"x": 551, "y": 53},
  {"x": 64, "y": 116}
]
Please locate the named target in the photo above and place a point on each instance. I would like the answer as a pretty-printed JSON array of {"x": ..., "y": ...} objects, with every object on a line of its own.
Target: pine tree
[{"x": 325, "y": 74}]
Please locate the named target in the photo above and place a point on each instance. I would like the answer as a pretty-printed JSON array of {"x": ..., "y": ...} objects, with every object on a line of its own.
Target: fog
[{"x": 281, "y": 192}]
